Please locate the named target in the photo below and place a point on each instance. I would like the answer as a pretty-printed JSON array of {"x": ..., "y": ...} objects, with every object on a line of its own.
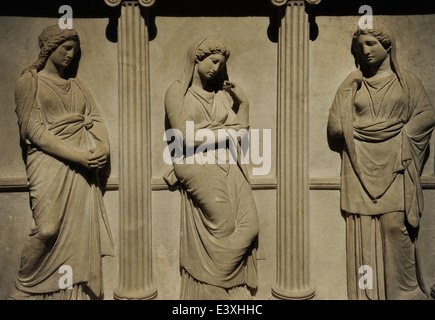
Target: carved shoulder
[
  {"x": 173, "y": 88},
  {"x": 171, "y": 94},
  {"x": 412, "y": 79},
  {"x": 24, "y": 82}
]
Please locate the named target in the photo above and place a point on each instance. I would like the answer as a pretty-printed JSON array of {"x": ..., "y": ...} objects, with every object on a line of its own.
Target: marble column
[
  {"x": 135, "y": 249},
  {"x": 293, "y": 260}
]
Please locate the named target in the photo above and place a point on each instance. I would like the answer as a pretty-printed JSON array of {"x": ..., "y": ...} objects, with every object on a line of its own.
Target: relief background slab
[{"x": 253, "y": 64}]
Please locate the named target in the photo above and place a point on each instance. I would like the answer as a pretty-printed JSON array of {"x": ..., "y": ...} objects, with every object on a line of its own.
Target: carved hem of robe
[
  {"x": 382, "y": 259},
  {"x": 193, "y": 289}
]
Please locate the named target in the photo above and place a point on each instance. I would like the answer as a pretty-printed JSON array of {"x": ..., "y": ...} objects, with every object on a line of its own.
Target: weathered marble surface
[{"x": 330, "y": 61}]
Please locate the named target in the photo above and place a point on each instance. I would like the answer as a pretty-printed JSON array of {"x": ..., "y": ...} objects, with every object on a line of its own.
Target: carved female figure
[
  {"x": 386, "y": 119},
  {"x": 67, "y": 149},
  {"x": 219, "y": 223}
]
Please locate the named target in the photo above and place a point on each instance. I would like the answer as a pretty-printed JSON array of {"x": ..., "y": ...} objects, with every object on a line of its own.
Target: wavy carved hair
[{"x": 49, "y": 40}]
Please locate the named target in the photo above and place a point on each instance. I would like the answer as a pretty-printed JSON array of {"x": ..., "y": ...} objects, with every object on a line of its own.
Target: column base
[
  {"x": 120, "y": 294},
  {"x": 283, "y": 294}
]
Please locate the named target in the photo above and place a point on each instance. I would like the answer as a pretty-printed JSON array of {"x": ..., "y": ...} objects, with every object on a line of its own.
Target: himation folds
[{"x": 219, "y": 146}]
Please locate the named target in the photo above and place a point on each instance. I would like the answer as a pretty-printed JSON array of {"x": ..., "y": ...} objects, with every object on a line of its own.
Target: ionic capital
[
  {"x": 143, "y": 3},
  {"x": 280, "y": 3}
]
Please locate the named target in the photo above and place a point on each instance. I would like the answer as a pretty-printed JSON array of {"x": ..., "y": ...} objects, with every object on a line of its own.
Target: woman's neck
[
  {"x": 53, "y": 71},
  {"x": 199, "y": 82},
  {"x": 380, "y": 70}
]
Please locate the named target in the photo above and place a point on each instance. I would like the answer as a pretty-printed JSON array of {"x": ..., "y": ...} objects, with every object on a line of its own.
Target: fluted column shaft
[
  {"x": 135, "y": 250},
  {"x": 293, "y": 267}
]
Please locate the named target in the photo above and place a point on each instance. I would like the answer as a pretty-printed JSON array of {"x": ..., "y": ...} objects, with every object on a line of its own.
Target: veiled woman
[
  {"x": 67, "y": 149},
  {"x": 219, "y": 223},
  {"x": 386, "y": 119}
]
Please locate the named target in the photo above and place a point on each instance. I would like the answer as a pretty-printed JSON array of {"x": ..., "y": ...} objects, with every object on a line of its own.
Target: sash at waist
[
  {"x": 378, "y": 131},
  {"x": 71, "y": 124},
  {"x": 78, "y": 120}
]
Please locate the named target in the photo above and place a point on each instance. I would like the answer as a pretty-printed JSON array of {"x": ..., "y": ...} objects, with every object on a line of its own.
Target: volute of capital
[
  {"x": 143, "y": 3},
  {"x": 146, "y": 3},
  {"x": 113, "y": 3},
  {"x": 315, "y": 2},
  {"x": 280, "y": 3}
]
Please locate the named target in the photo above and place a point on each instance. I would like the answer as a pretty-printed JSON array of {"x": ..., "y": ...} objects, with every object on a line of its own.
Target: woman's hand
[
  {"x": 94, "y": 159},
  {"x": 82, "y": 158},
  {"x": 355, "y": 77},
  {"x": 98, "y": 158},
  {"x": 243, "y": 110},
  {"x": 235, "y": 91}
]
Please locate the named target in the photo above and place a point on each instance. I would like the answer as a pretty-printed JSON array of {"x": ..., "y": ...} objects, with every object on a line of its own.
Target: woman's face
[
  {"x": 371, "y": 49},
  {"x": 211, "y": 66},
  {"x": 64, "y": 54}
]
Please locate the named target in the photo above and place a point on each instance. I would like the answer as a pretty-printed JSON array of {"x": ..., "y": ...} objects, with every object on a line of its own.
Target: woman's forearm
[
  {"x": 197, "y": 137},
  {"x": 54, "y": 147},
  {"x": 242, "y": 115}
]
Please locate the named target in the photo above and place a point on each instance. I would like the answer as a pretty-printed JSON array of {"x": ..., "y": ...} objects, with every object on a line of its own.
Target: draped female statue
[
  {"x": 384, "y": 116},
  {"x": 66, "y": 153},
  {"x": 219, "y": 223}
]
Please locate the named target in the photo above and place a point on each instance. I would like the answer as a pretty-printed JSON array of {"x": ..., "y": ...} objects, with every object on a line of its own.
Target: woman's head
[
  {"x": 383, "y": 44},
  {"x": 372, "y": 45},
  {"x": 209, "y": 46},
  {"x": 371, "y": 50},
  {"x": 381, "y": 34},
  {"x": 211, "y": 56},
  {"x": 199, "y": 51},
  {"x": 64, "y": 54},
  {"x": 60, "y": 46}
]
